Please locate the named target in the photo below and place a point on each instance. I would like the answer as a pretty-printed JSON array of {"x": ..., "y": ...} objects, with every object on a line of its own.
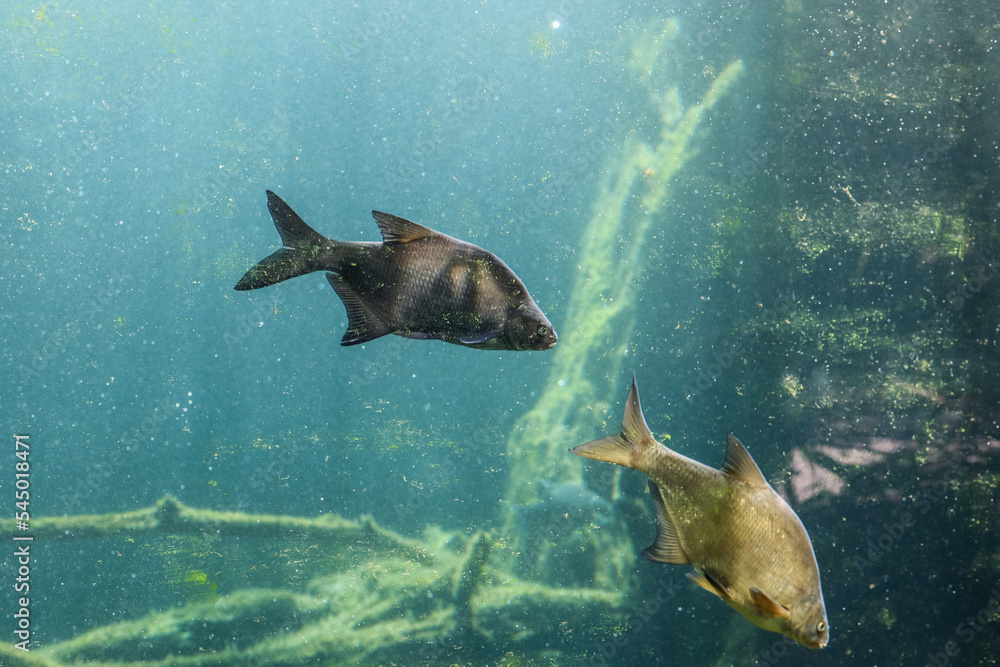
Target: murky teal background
[{"x": 824, "y": 282}]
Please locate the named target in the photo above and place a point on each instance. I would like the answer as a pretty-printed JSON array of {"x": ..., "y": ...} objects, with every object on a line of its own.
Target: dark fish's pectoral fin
[
  {"x": 711, "y": 584},
  {"x": 362, "y": 324},
  {"x": 740, "y": 465},
  {"x": 666, "y": 548},
  {"x": 415, "y": 335},
  {"x": 619, "y": 448},
  {"x": 766, "y": 605},
  {"x": 400, "y": 230},
  {"x": 479, "y": 338}
]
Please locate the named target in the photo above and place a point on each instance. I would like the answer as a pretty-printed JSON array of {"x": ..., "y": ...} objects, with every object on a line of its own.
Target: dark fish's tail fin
[
  {"x": 623, "y": 448},
  {"x": 299, "y": 256}
]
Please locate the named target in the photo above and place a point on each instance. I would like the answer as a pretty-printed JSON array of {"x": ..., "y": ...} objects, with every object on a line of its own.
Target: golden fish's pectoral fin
[
  {"x": 766, "y": 605},
  {"x": 711, "y": 584},
  {"x": 740, "y": 465},
  {"x": 666, "y": 548}
]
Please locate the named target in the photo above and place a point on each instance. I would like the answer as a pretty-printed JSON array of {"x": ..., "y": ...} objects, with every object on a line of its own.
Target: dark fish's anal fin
[
  {"x": 666, "y": 548},
  {"x": 400, "y": 230},
  {"x": 739, "y": 465},
  {"x": 766, "y": 605},
  {"x": 711, "y": 584},
  {"x": 362, "y": 324},
  {"x": 295, "y": 233}
]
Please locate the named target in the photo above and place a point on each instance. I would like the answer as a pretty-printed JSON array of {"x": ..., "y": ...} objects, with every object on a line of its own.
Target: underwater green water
[{"x": 782, "y": 218}]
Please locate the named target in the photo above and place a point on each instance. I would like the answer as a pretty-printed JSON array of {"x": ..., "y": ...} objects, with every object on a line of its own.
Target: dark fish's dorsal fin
[
  {"x": 400, "y": 230},
  {"x": 295, "y": 233},
  {"x": 362, "y": 324},
  {"x": 666, "y": 548},
  {"x": 766, "y": 605},
  {"x": 711, "y": 584},
  {"x": 618, "y": 448},
  {"x": 740, "y": 465}
]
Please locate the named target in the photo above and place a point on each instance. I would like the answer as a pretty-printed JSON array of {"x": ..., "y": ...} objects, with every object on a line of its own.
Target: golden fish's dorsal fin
[
  {"x": 620, "y": 448},
  {"x": 400, "y": 230},
  {"x": 711, "y": 584},
  {"x": 766, "y": 605},
  {"x": 666, "y": 548},
  {"x": 739, "y": 464}
]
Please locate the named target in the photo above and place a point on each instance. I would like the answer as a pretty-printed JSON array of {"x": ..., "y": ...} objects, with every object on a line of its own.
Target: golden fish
[{"x": 745, "y": 542}]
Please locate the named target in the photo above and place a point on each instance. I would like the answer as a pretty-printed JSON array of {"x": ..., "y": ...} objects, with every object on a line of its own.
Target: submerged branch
[
  {"x": 169, "y": 516},
  {"x": 573, "y": 406}
]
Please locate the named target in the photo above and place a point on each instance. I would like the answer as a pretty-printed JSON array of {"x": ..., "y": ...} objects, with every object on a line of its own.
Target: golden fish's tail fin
[{"x": 622, "y": 449}]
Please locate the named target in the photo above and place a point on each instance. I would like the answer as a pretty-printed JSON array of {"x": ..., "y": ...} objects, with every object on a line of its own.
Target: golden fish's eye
[{"x": 821, "y": 626}]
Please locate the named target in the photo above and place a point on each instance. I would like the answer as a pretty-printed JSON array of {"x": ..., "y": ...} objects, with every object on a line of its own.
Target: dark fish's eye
[
  {"x": 821, "y": 626},
  {"x": 543, "y": 330}
]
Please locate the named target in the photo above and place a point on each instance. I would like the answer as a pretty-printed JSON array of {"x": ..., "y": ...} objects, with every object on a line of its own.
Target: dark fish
[
  {"x": 745, "y": 542},
  {"x": 417, "y": 283}
]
